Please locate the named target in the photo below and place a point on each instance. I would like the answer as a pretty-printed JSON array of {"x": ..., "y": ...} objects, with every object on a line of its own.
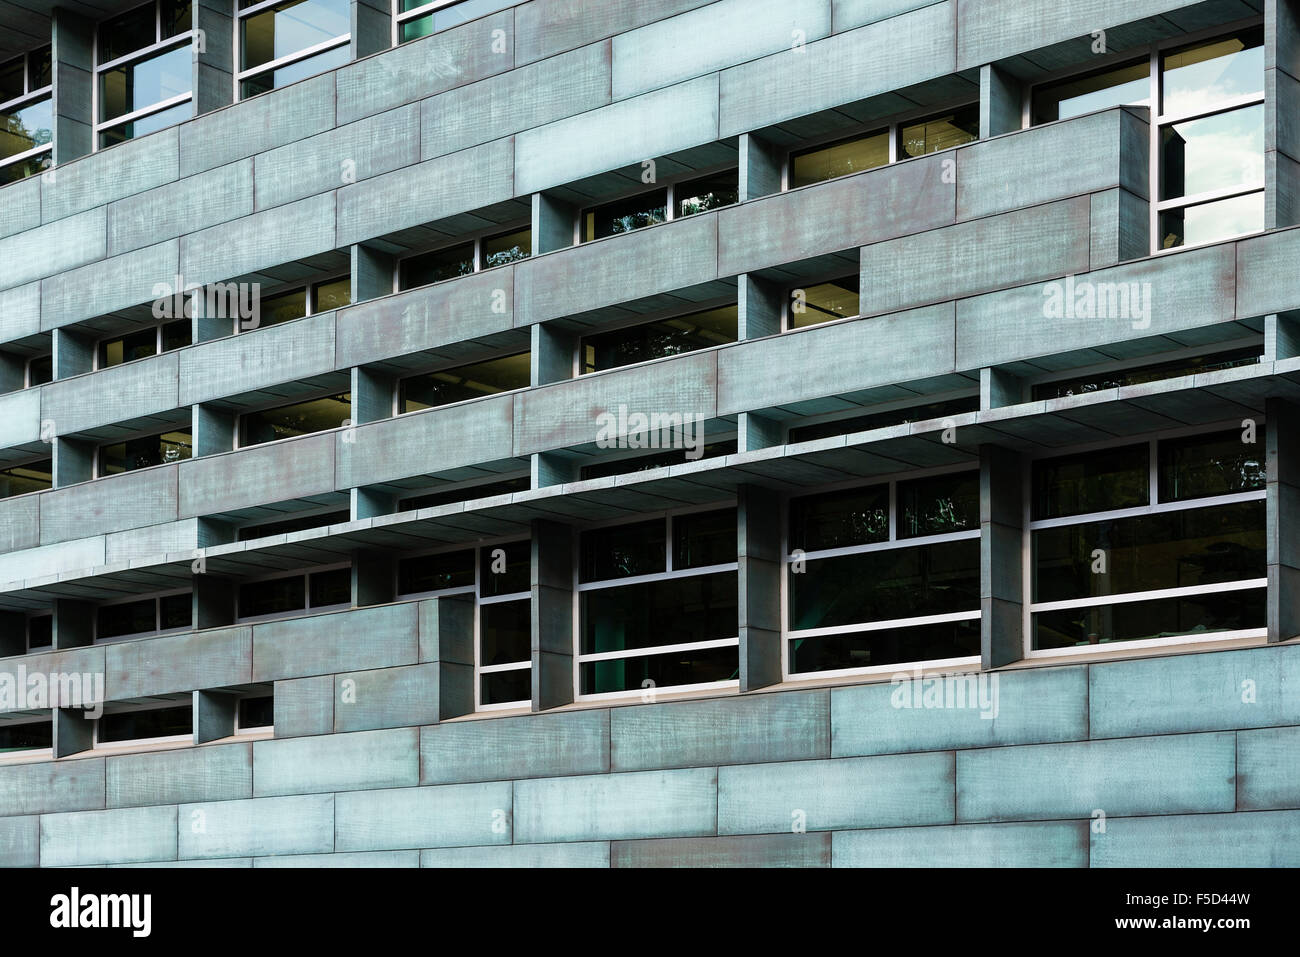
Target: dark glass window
[
  {"x": 272, "y": 597},
  {"x": 1115, "y": 86},
  {"x": 154, "y": 723},
  {"x": 686, "y": 667},
  {"x": 40, "y": 370},
  {"x": 301, "y": 418},
  {"x": 40, "y": 631},
  {"x": 283, "y": 307},
  {"x": 460, "y": 383},
  {"x": 435, "y": 572},
  {"x": 507, "y": 248},
  {"x": 881, "y": 420},
  {"x": 624, "y": 551},
  {"x": 506, "y": 574},
  {"x": 318, "y": 520},
  {"x": 444, "y": 17},
  {"x": 654, "y": 340},
  {"x": 24, "y": 128},
  {"x": 437, "y": 265},
  {"x": 503, "y": 687},
  {"x": 466, "y": 494},
  {"x": 175, "y": 611},
  {"x": 175, "y": 335},
  {"x": 258, "y": 712},
  {"x": 1082, "y": 385},
  {"x": 701, "y": 539},
  {"x": 505, "y": 632},
  {"x": 144, "y": 125},
  {"x": 706, "y": 193},
  {"x": 334, "y": 294},
  {"x": 129, "y": 618},
  {"x": 939, "y": 505},
  {"x": 29, "y": 736},
  {"x": 625, "y": 215},
  {"x": 297, "y": 70},
  {"x": 176, "y": 18},
  {"x": 641, "y": 463},
  {"x": 29, "y": 477},
  {"x": 1157, "y": 618},
  {"x": 12, "y": 79},
  {"x": 1099, "y": 481},
  {"x": 125, "y": 34},
  {"x": 823, "y": 302},
  {"x": 856, "y": 516},
  {"x": 887, "y": 646},
  {"x": 841, "y": 158},
  {"x": 144, "y": 452},
  {"x": 940, "y": 132},
  {"x": 1206, "y": 465},
  {"x": 128, "y": 348},
  {"x": 290, "y": 28},
  {"x": 672, "y": 611},
  {"x": 333, "y": 587},
  {"x": 39, "y": 72}
]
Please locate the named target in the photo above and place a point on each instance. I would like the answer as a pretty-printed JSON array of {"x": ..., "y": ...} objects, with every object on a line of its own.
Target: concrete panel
[
  {"x": 336, "y": 762},
  {"x": 518, "y": 100},
  {"x": 548, "y": 27},
  {"x": 681, "y": 803},
  {"x": 216, "y": 773},
  {"x": 711, "y": 38},
  {"x": 1232, "y": 689},
  {"x": 195, "y": 202},
  {"x": 170, "y": 663},
  {"x": 386, "y": 698},
  {"x": 258, "y": 475},
  {"x": 274, "y": 825},
  {"x": 51, "y": 786},
  {"x": 631, "y": 131},
  {"x": 131, "y": 279},
  {"x": 847, "y": 14},
  {"x": 376, "y": 859},
  {"x": 223, "y": 862},
  {"x": 135, "y": 166},
  {"x": 53, "y": 248},
  {"x": 621, "y": 268},
  {"x": 257, "y": 359},
  {"x": 20, "y": 418},
  {"x": 1265, "y": 281},
  {"x": 20, "y": 206},
  {"x": 58, "y": 559},
  {"x": 453, "y": 816},
  {"x": 20, "y": 312},
  {"x": 280, "y": 235},
  {"x": 1268, "y": 775},
  {"x": 19, "y": 528},
  {"x": 1018, "y": 707},
  {"x": 20, "y": 841},
  {"x": 304, "y": 706},
  {"x": 527, "y": 746},
  {"x": 116, "y": 394},
  {"x": 760, "y": 850},
  {"x": 110, "y": 504},
  {"x": 887, "y": 791},
  {"x": 1050, "y": 844},
  {"x": 324, "y": 644},
  {"x": 1169, "y": 774},
  {"x": 764, "y": 728},
  {"x": 98, "y": 837},
  {"x": 1257, "y": 839},
  {"x": 152, "y": 541},
  {"x": 531, "y": 856}
]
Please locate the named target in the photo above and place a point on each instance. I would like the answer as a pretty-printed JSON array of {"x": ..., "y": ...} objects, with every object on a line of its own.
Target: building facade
[{"x": 650, "y": 432}]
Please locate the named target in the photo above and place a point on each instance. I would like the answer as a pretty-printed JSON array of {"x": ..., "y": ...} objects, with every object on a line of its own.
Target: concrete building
[{"x": 648, "y": 432}]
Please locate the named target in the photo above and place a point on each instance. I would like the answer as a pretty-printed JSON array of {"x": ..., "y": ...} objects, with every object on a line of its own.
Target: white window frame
[
  {"x": 892, "y": 543},
  {"x": 477, "y": 238},
  {"x": 257, "y": 728},
  {"x": 30, "y": 754},
  {"x": 144, "y": 53},
  {"x": 307, "y": 609},
  {"x": 669, "y": 184},
  {"x": 1153, "y": 507},
  {"x": 133, "y": 743},
  {"x": 156, "y": 598},
  {"x": 29, "y": 97},
  {"x": 243, "y": 75}
]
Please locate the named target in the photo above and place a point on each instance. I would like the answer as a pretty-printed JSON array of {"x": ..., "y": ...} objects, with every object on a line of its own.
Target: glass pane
[
  {"x": 704, "y": 538},
  {"x": 12, "y": 172},
  {"x": 27, "y": 737},
  {"x": 175, "y": 335},
  {"x": 413, "y": 30},
  {"x": 155, "y": 723},
  {"x": 623, "y": 551},
  {"x": 333, "y": 587},
  {"x": 622, "y": 465},
  {"x": 936, "y": 506},
  {"x": 1202, "y": 546},
  {"x": 257, "y": 712},
  {"x": 40, "y": 631},
  {"x": 293, "y": 72},
  {"x": 332, "y": 295},
  {"x": 26, "y": 128},
  {"x": 466, "y": 494},
  {"x": 40, "y": 370},
  {"x": 1208, "y": 222},
  {"x": 1165, "y": 618},
  {"x": 465, "y": 382},
  {"x": 176, "y": 18},
  {"x": 940, "y": 132},
  {"x": 670, "y": 612},
  {"x": 283, "y": 307},
  {"x": 13, "y": 79},
  {"x": 131, "y": 618},
  {"x": 127, "y": 33},
  {"x": 706, "y": 193},
  {"x": 289, "y": 28},
  {"x": 1217, "y": 152},
  {"x": 661, "y": 671},
  {"x": 506, "y": 569},
  {"x": 38, "y": 69},
  {"x": 438, "y": 265},
  {"x": 20, "y": 479},
  {"x": 1151, "y": 373},
  {"x": 506, "y": 687},
  {"x": 880, "y": 420},
  {"x": 856, "y": 516},
  {"x": 175, "y": 611},
  {"x": 301, "y": 418},
  {"x": 504, "y": 632},
  {"x": 465, "y": 11},
  {"x": 507, "y": 248},
  {"x": 625, "y": 215},
  {"x": 1207, "y": 73},
  {"x": 435, "y": 572},
  {"x": 146, "y": 125},
  {"x": 880, "y": 586},
  {"x": 839, "y": 159},
  {"x": 273, "y": 597},
  {"x": 959, "y": 639},
  {"x": 144, "y": 452},
  {"x": 654, "y": 340},
  {"x": 1099, "y": 481},
  {"x": 1125, "y": 85},
  {"x": 1205, "y": 465},
  {"x": 141, "y": 84},
  {"x": 824, "y": 301},
  {"x": 137, "y": 345}
]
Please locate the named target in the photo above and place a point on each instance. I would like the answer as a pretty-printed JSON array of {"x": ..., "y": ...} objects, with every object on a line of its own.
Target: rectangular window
[
  {"x": 40, "y": 370},
  {"x": 287, "y": 525},
  {"x": 624, "y": 464},
  {"x": 655, "y": 340},
  {"x": 658, "y": 604},
  {"x": 677, "y": 199},
  {"x": 460, "y": 383},
  {"x": 144, "y": 452},
  {"x": 289, "y": 421},
  {"x": 28, "y": 477},
  {"x": 28, "y": 736},
  {"x": 881, "y": 420},
  {"x": 1098, "y": 481},
  {"x": 144, "y": 616},
  {"x": 815, "y": 303},
  {"x": 143, "y": 70},
  {"x": 26, "y": 116},
  {"x": 309, "y": 300},
  {"x": 1098, "y": 382},
  {"x": 706, "y": 193},
  {"x": 840, "y": 158},
  {"x": 143, "y": 343},
  {"x": 466, "y": 493},
  {"x": 40, "y": 632},
  {"x": 420, "y": 18},
  {"x": 1128, "y": 85},
  {"x": 145, "y": 725},
  {"x": 256, "y": 711},
  {"x": 940, "y": 132},
  {"x": 464, "y": 258},
  {"x": 282, "y": 42},
  {"x": 300, "y": 591}
]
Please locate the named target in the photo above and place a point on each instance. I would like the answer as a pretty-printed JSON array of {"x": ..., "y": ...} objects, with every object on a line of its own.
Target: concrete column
[
  {"x": 372, "y": 395},
  {"x": 372, "y": 273},
  {"x": 552, "y": 354},
  {"x": 73, "y": 732},
  {"x": 74, "y": 461},
  {"x": 760, "y": 167},
  {"x": 1281, "y": 101},
  {"x": 74, "y": 624},
  {"x": 1001, "y": 109},
  {"x": 552, "y": 614},
  {"x": 13, "y": 634},
  {"x": 372, "y": 27},
  {"x": 758, "y": 551},
  {"x": 369, "y": 503},
  {"x": 214, "y": 601},
  {"x": 1281, "y": 337},
  {"x": 214, "y": 715},
  {"x": 553, "y": 220},
  {"x": 758, "y": 432},
  {"x": 1282, "y": 439},
  {"x": 1001, "y": 557},
  {"x": 447, "y": 640},
  {"x": 214, "y": 430},
  {"x": 999, "y": 389},
  {"x": 374, "y": 578},
  {"x": 552, "y": 468},
  {"x": 72, "y": 67},
  {"x": 74, "y": 354},
  {"x": 759, "y": 305},
  {"x": 214, "y": 55}
]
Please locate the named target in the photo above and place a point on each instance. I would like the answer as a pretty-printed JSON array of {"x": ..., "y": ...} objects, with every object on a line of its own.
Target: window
[
  {"x": 463, "y": 258},
  {"x": 676, "y": 200},
  {"x": 1114, "y": 86},
  {"x": 145, "y": 724},
  {"x": 625, "y": 464},
  {"x": 299, "y": 418},
  {"x": 881, "y": 420},
  {"x": 254, "y": 712},
  {"x": 286, "y": 525},
  {"x": 29, "y": 477},
  {"x": 144, "y": 616},
  {"x": 1082, "y": 385},
  {"x": 143, "y": 71},
  {"x": 466, "y": 493},
  {"x": 40, "y": 631},
  {"x": 853, "y": 155},
  {"x": 142, "y": 344},
  {"x": 941, "y": 132},
  {"x": 40, "y": 370},
  {"x": 28, "y": 736},
  {"x": 884, "y": 575},
  {"x": 658, "y": 604},
  {"x": 145, "y": 451},
  {"x": 1149, "y": 541},
  {"x": 499, "y": 578},
  {"x": 307, "y": 300},
  {"x": 26, "y": 116},
  {"x": 654, "y": 340},
  {"x": 420, "y": 18},
  {"x": 824, "y": 301},
  {"x": 283, "y": 41},
  {"x": 298, "y": 591},
  {"x": 460, "y": 383}
]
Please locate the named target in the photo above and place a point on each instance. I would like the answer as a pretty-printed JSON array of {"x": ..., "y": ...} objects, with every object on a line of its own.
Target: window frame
[
  {"x": 478, "y": 237},
  {"x": 397, "y": 382},
  {"x": 133, "y": 743},
  {"x": 97, "y": 366},
  {"x": 159, "y": 46},
  {"x": 1117, "y": 366},
  {"x": 452, "y": 487},
  {"x": 278, "y": 404},
  {"x": 787, "y": 315},
  {"x": 30, "y": 754},
  {"x": 882, "y": 408},
  {"x": 31, "y": 461},
  {"x": 309, "y": 290},
  {"x": 155, "y": 597},
  {"x": 241, "y": 76},
  {"x": 307, "y": 609},
  {"x": 433, "y": 6},
  {"x": 30, "y": 97},
  {"x": 675, "y": 312},
  {"x": 27, "y": 369},
  {"x": 97, "y": 467},
  {"x": 669, "y": 185}
]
